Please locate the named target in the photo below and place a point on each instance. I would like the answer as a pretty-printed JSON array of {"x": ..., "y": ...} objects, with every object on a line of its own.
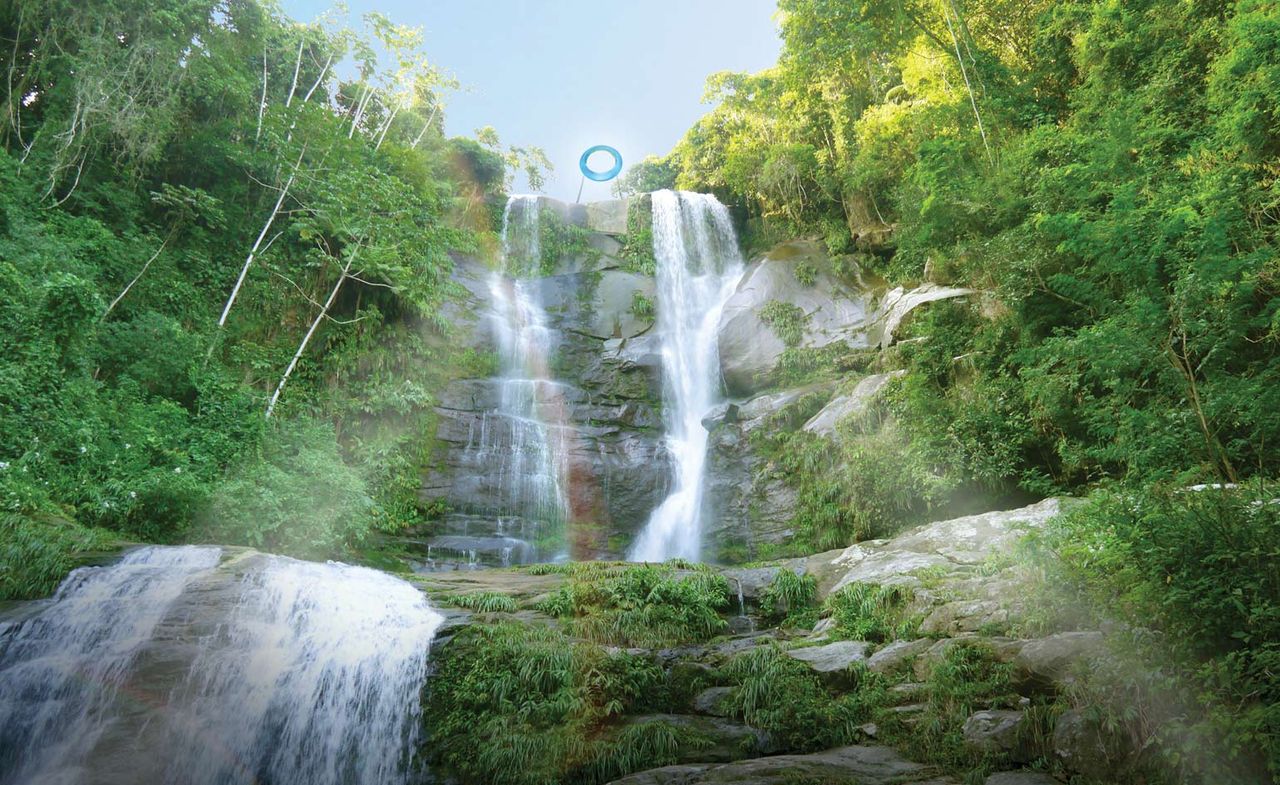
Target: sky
[{"x": 569, "y": 74}]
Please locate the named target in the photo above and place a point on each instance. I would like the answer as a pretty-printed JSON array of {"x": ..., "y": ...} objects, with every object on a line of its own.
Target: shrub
[
  {"x": 648, "y": 605},
  {"x": 806, "y": 274},
  {"x": 484, "y": 602},
  {"x": 787, "y": 320},
  {"x": 874, "y": 613},
  {"x": 788, "y": 594}
]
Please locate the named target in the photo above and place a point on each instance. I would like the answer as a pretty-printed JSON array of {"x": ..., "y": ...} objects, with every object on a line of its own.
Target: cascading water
[
  {"x": 699, "y": 265},
  {"x": 522, "y": 441},
  {"x": 170, "y": 668}
]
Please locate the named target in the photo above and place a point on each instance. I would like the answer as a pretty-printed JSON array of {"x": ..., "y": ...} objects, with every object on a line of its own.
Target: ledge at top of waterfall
[
  {"x": 699, "y": 265},
  {"x": 176, "y": 665}
]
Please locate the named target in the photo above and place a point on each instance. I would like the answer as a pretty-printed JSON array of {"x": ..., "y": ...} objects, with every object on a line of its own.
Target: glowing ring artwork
[{"x": 605, "y": 176}]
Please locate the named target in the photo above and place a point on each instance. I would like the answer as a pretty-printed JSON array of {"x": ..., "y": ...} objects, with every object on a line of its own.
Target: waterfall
[
  {"x": 171, "y": 668},
  {"x": 523, "y": 439},
  {"x": 699, "y": 266}
]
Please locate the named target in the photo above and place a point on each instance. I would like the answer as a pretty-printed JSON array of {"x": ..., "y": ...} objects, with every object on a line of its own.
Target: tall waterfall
[
  {"x": 699, "y": 265},
  {"x": 524, "y": 438},
  {"x": 169, "y": 667}
]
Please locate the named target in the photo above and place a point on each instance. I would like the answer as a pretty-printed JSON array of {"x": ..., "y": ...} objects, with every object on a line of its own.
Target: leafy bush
[
  {"x": 806, "y": 274},
  {"x": 788, "y": 594},
  {"x": 643, "y": 306},
  {"x": 788, "y": 321},
  {"x": 873, "y": 612},
  {"x": 484, "y": 602},
  {"x": 648, "y": 605},
  {"x": 548, "y": 708},
  {"x": 782, "y": 695},
  {"x": 1202, "y": 568}
]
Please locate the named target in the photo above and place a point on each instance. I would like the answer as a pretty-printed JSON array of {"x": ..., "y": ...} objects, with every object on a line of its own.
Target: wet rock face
[
  {"x": 597, "y": 390},
  {"x": 750, "y": 349}
]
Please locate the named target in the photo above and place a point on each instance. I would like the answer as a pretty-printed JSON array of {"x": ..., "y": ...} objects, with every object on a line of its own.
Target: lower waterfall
[
  {"x": 698, "y": 268},
  {"x": 177, "y": 665}
]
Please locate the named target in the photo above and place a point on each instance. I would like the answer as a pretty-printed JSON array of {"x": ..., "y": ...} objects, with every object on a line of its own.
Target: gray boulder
[
  {"x": 998, "y": 732},
  {"x": 859, "y": 765},
  {"x": 608, "y": 217},
  {"x": 832, "y": 661},
  {"x": 1021, "y": 778},
  {"x": 749, "y": 348},
  {"x": 854, "y": 403},
  {"x": 949, "y": 545},
  {"x": 1047, "y": 661},
  {"x": 711, "y": 701},
  {"x": 897, "y": 303},
  {"x": 1081, "y": 746},
  {"x": 897, "y": 656}
]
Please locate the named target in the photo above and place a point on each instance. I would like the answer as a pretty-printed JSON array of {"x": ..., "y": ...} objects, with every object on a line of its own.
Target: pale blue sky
[{"x": 568, "y": 74}]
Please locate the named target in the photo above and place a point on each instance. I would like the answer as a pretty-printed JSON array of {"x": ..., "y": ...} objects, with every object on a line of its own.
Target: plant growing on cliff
[
  {"x": 644, "y": 605},
  {"x": 806, "y": 273},
  {"x": 643, "y": 306},
  {"x": 513, "y": 704},
  {"x": 780, "y": 694},
  {"x": 788, "y": 595},
  {"x": 873, "y": 612},
  {"x": 787, "y": 320},
  {"x": 637, "y": 248}
]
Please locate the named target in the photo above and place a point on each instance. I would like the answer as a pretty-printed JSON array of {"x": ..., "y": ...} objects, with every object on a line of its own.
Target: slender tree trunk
[
  {"x": 965, "y": 73},
  {"x": 138, "y": 277},
  {"x": 319, "y": 79},
  {"x": 306, "y": 339},
  {"x": 262, "y": 105},
  {"x": 297, "y": 66},
  {"x": 360, "y": 107},
  {"x": 386, "y": 127},
  {"x": 425, "y": 128},
  {"x": 248, "y": 261}
]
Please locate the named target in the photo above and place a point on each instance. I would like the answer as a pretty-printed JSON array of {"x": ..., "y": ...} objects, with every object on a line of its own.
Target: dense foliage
[{"x": 223, "y": 260}]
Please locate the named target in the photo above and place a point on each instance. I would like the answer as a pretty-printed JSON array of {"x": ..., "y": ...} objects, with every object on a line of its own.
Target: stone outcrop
[
  {"x": 858, "y": 765},
  {"x": 957, "y": 545},
  {"x": 851, "y": 404},
  {"x": 750, "y": 349}
]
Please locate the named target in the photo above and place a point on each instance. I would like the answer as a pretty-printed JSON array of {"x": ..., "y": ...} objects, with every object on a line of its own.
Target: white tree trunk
[
  {"x": 306, "y": 339},
  {"x": 137, "y": 277},
  {"x": 222, "y": 320},
  {"x": 965, "y": 73},
  {"x": 423, "y": 132},
  {"x": 319, "y": 79},
  {"x": 262, "y": 105},
  {"x": 297, "y": 66},
  {"x": 386, "y": 127}
]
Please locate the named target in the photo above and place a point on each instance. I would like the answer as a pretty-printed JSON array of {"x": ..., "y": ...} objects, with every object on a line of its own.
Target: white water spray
[
  {"x": 167, "y": 668},
  {"x": 523, "y": 440},
  {"x": 699, "y": 265}
]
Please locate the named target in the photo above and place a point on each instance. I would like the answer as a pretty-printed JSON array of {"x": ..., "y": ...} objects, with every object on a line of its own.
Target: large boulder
[
  {"x": 750, "y": 349},
  {"x": 897, "y": 656},
  {"x": 855, "y": 402},
  {"x": 1027, "y": 777},
  {"x": 897, "y": 303},
  {"x": 860, "y": 765},
  {"x": 1048, "y": 661},
  {"x": 998, "y": 732},
  {"x": 833, "y": 661},
  {"x": 1081, "y": 746},
  {"x": 608, "y": 217},
  {"x": 943, "y": 546}
]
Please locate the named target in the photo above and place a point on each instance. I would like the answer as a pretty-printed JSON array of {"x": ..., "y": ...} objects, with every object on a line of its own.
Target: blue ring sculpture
[{"x": 605, "y": 176}]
